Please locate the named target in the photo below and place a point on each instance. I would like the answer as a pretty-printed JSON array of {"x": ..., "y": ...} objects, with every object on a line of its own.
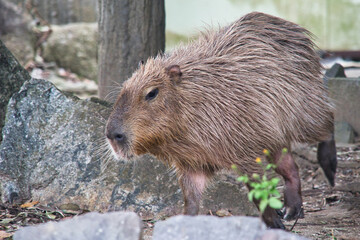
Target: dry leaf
[
  {"x": 4, "y": 234},
  {"x": 29, "y": 204}
]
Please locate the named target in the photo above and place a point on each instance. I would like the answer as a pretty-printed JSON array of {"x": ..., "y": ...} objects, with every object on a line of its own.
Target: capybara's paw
[
  {"x": 272, "y": 219},
  {"x": 274, "y": 223},
  {"x": 294, "y": 212},
  {"x": 278, "y": 224}
]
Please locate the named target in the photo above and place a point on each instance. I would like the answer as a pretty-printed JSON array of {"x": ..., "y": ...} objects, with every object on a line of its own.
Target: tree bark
[{"x": 130, "y": 32}]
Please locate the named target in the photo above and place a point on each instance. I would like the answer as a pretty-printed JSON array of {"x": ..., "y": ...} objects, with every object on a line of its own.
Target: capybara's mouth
[{"x": 120, "y": 152}]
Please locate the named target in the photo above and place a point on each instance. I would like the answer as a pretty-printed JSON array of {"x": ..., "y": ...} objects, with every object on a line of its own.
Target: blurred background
[
  {"x": 58, "y": 39},
  {"x": 335, "y": 23}
]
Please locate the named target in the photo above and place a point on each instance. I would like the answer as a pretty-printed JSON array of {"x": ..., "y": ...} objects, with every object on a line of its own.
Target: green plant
[{"x": 261, "y": 188}]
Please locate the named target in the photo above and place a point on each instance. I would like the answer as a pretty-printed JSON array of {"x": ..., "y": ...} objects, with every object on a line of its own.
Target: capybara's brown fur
[{"x": 221, "y": 100}]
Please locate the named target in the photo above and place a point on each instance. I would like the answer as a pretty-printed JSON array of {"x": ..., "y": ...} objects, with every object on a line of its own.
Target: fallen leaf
[
  {"x": 29, "y": 204},
  {"x": 70, "y": 206},
  {"x": 4, "y": 234},
  {"x": 223, "y": 213}
]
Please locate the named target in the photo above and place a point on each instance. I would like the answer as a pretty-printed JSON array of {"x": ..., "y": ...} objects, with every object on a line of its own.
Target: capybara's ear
[{"x": 174, "y": 73}]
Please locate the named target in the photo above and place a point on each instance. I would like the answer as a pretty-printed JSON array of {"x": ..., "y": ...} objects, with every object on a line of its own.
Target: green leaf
[
  {"x": 268, "y": 166},
  {"x": 264, "y": 178},
  {"x": 284, "y": 150},
  {"x": 256, "y": 176},
  {"x": 275, "y": 203},
  {"x": 257, "y": 194},
  {"x": 50, "y": 215},
  {"x": 244, "y": 179},
  {"x": 264, "y": 184},
  {"x": 275, "y": 181},
  {"x": 275, "y": 193},
  {"x": 251, "y": 195},
  {"x": 262, "y": 205}
]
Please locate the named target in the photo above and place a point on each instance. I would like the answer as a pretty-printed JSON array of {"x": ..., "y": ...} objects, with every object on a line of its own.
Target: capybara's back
[
  {"x": 252, "y": 85},
  {"x": 222, "y": 99}
]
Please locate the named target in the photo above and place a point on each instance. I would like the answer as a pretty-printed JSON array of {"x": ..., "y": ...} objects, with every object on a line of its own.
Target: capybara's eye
[{"x": 152, "y": 94}]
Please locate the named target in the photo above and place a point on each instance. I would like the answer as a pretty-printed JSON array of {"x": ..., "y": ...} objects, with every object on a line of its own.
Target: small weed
[{"x": 262, "y": 188}]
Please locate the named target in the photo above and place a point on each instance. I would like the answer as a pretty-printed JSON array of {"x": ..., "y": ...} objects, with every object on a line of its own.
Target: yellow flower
[
  {"x": 258, "y": 160},
  {"x": 266, "y": 152}
]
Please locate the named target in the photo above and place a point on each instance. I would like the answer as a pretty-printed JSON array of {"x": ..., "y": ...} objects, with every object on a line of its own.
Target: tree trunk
[{"x": 130, "y": 32}]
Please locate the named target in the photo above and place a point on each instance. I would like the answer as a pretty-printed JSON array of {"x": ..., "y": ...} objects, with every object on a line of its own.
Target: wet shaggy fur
[{"x": 252, "y": 85}]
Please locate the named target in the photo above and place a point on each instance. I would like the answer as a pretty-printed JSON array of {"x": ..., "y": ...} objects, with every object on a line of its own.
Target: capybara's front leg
[
  {"x": 192, "y": 185},
  {"x": 288, "y": 169},
  {"x": 326, "y": 155}
]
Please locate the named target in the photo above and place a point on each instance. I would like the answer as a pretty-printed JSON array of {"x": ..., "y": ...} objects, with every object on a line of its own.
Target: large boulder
[
  {"x": 54, "y": 151},
  {"x": 91, "y": 226},
  {"x": 214, "y": 228},
  {"x": 12, "y": 76},
  {"x": 74, "y": 47},
  {"x": 345, "y": 93}
]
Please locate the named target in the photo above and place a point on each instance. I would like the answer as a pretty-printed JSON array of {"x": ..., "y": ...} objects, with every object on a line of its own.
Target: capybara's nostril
[{"x": 119, "y": 137}]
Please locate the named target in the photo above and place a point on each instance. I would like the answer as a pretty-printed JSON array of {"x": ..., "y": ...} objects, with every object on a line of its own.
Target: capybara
[{"x": 220, "y": 100}]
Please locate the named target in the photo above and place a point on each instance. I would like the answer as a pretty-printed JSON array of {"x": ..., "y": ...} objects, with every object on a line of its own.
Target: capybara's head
[{"x": 145, "y": 112}]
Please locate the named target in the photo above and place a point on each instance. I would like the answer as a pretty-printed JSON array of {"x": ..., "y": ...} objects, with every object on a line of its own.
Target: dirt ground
[{"x": 330, "y": 213}]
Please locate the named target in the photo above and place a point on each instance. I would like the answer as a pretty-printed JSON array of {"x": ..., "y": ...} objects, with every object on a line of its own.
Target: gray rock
[
  {"x": 345, "y": 93},
  {"x": 91, "y": 226},
  {"x": 337, "y": 70},
  {"x": 344, "y": 133},
  {"x": 276, "y": 234},
  {"x": 74, "y": 47},
  {"x": 210, "y": 227},
  {"x": 49, "y": 144},
  {"x": 12, "y": 76},
  {"x": 54, "y": 151}
]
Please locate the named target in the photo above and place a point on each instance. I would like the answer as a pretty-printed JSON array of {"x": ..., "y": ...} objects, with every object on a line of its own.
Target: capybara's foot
[
  {"x": 291, "y": 213},
  {"x": 326, "y": 156},
  {"x": 272, "y": 219},
  {"x": 288, "y": 169}
]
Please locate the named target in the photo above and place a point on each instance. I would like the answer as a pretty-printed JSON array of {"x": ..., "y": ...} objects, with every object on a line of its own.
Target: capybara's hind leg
[
  {"x": 288, "y": 169},
  {"x": 326, "y": 155},
  {"x": 192, "y": 185}
]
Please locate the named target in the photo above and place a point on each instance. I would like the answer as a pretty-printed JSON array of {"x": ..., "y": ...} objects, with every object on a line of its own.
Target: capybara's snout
[{"x": 117, "y": 137}]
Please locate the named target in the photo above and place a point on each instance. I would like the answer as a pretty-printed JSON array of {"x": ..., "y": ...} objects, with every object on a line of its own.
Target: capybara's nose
[
  {"x": 114, "y": 132},
  {"x": 117, "y": 136}
]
